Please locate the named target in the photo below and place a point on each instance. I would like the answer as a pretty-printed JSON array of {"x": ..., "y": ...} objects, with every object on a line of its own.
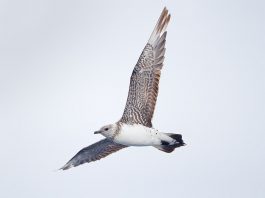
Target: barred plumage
[{"x": 145, "y": 77}]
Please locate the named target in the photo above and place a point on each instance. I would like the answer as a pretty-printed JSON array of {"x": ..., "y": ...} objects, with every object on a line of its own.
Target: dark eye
[{"x": 106, "y": 129}]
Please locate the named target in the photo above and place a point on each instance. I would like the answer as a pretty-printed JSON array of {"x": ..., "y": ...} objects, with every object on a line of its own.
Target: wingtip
[
  {"x": 161, "y": 26},
  {"x": 66, "y": 166},
  {"x": 165, "y": 9}
]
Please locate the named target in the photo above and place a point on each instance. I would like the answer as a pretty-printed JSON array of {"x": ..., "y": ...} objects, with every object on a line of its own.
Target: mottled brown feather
[{"x": 144, "y": 83}]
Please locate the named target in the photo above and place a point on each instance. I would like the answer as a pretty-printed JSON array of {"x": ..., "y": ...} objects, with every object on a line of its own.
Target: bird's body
[
  {"x": 139, "y": 135},
  {"x": 135, "y": 126}
]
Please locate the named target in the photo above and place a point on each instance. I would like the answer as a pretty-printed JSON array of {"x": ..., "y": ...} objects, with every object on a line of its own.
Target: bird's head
[{"x": 108, "y": 131}]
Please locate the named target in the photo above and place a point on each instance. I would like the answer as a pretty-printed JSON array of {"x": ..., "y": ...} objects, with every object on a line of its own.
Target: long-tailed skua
[{"x": 135, "y": 126}]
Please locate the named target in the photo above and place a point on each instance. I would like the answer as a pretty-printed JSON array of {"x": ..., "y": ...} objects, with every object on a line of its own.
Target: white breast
[{"x": 138, "y": 135}]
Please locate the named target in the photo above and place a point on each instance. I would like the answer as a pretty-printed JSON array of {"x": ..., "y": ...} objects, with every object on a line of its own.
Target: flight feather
[{"x": 93, "y": 152}]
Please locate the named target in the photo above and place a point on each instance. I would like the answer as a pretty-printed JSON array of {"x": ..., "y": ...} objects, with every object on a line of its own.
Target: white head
[{"x": 108, "y": 131}]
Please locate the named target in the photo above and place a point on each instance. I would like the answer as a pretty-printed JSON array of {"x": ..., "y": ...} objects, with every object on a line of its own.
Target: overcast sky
[{"x": 64, "y": 72}]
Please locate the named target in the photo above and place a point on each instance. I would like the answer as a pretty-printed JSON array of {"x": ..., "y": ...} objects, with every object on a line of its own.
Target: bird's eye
[{"x": 106, "y": 129}]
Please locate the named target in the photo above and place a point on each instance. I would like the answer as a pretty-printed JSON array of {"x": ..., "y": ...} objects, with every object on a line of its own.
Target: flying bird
[{"x": 135, "y": 126}]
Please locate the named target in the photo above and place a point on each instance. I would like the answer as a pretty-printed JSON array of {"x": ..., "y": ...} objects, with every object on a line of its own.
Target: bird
[{"x": 135, "y": 126}]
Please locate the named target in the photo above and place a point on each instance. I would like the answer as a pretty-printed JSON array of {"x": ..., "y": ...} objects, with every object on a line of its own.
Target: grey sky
[{"x": 64, "y": 72}]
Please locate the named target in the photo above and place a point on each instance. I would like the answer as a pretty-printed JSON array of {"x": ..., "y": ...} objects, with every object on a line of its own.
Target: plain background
[{"x": 64, "y": 72}]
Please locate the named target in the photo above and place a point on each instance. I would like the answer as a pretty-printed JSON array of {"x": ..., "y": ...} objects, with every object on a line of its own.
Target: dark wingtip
[{"x": 66, "y": 166}]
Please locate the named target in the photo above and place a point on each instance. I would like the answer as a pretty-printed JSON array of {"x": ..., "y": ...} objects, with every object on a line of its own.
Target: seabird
[{"x": 135, "y": 126}]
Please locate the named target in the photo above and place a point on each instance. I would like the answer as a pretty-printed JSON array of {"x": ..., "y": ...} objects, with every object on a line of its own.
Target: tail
[{"x": 167, "y": 147}]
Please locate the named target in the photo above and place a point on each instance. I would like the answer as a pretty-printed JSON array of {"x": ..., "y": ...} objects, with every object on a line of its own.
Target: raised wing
[
  {"x": 145, "y": 77},
  {"x": 93, "y": 152}
]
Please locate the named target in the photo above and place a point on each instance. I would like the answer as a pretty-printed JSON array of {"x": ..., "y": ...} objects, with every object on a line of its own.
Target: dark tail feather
[
  {"x": 177, "y": 137},
  {"x": 170, "y": 148},
  {"x": 167, "y": 149}
]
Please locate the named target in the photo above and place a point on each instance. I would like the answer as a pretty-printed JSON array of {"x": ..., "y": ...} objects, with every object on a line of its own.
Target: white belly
[{"x": 139, "y": 135}]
